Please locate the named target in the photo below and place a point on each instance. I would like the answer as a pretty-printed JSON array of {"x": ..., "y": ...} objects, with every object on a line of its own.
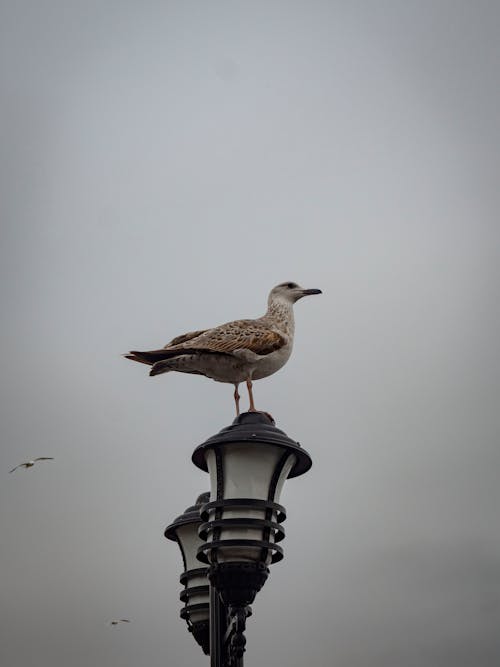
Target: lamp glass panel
[
  {"x": 247, "y": 473},
  {"x": 199, "y": 580},
  {"x": 189, "y": 540},
  {"x": 290, "y": 462}
]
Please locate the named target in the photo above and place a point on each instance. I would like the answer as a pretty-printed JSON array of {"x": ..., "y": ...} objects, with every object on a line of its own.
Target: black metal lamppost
[{"x": 235, "y": 531}]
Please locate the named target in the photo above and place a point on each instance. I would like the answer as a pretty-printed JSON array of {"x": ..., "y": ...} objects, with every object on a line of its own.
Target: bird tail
[
  {"x": 149, "y": 357},
  {"x": 163, "y": 366},
  {"x": 134, "y": 357}
]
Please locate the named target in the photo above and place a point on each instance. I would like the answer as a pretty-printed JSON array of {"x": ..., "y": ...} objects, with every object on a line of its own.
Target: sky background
[{"x": 163, "y": 165}]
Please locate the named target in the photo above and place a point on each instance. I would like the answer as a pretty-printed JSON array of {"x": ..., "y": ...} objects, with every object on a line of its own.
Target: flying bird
[
  {"x": 118, "y": 620},
  {"x": 30, "y": 464},
  {"x": 235, "y": 352}
]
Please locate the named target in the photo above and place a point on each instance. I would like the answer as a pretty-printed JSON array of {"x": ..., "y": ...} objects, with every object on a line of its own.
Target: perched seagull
[
  {"x": 239, "y": 351},
  {"x": 30, "y": 464},
  {"x": 119, "y": 620}
]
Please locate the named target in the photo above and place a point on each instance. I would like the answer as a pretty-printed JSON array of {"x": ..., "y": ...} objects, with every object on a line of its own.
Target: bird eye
[{"x": 291, "y": 285}]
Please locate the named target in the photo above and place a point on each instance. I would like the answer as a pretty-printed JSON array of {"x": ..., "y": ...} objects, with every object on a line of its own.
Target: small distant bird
[
  {"x": 119, "y": 620},
  {"x": 235, "y": 352},
  {"x": 30, "y": 464}
]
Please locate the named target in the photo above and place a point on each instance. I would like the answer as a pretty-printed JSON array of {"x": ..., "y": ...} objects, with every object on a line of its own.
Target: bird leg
[
  {"x": 252, "y": 404},
  {"x": 237, "y": 399},
  {"x": 250, "y": 396}
]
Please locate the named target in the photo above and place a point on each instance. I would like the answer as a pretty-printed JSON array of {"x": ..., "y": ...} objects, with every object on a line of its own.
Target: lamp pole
[{"x": 234, "y": 530}]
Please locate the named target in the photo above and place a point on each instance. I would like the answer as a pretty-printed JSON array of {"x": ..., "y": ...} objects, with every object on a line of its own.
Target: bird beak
[{"x": 306, "y": 292}]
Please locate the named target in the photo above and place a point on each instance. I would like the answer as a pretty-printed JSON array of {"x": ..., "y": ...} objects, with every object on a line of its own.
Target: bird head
[{"x": 290, "y": 292}]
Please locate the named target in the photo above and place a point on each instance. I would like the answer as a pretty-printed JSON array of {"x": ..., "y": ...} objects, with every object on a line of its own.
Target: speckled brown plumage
[{"x": 238, "y": 351}]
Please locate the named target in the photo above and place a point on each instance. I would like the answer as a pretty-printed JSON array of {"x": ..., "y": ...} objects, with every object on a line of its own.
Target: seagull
[
  {"x": 118, "y": 620},
  {"x": 30, "y": 464},
  {"x": 235, "y": 352}
]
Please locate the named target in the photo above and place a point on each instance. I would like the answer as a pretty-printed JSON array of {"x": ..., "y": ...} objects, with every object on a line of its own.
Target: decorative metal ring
[
  {"x": 239, "y": 544},
  {"x": 192, "y": 591},
  {"x": 252, "y": 503},
  {"x": 206, "y": 528},
  {"x": 186, "y": 611},
  {"x": 196, "y": 572}
]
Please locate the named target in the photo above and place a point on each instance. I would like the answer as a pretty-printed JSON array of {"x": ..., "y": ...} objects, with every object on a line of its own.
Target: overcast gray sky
[{"x": 163, "y": 165}]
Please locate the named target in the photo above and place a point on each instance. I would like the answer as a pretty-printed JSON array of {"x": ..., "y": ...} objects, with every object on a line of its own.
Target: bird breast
[{"x": 270, "y": 363}]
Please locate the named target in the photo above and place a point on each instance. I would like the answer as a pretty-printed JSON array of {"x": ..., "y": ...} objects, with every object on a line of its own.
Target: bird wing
[
  {"x": 252, "y": 335},
  {"x": 150, "y": 357},
  {"x": 183, "y": 338},
  {"x": 45, "y": 458},
  {"x": 16, "y": 467},
  {"x": 124, "y": 620}
]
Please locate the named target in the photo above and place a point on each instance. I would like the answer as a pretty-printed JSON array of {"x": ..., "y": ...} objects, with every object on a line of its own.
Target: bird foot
[{"x": 263, "y": 412}]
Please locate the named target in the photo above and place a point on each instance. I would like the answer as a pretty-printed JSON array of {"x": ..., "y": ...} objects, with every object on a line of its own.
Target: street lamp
[
  {"x": 248, "y": 463},
  {"x": 195, "y": 595}
]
